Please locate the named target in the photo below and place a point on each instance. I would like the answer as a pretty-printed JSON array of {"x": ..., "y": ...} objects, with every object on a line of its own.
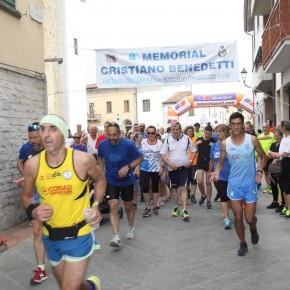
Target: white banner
[{"x": 195, "y": 64}]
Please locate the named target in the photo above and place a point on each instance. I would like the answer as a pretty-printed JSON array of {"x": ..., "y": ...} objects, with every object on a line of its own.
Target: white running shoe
[
  {"x": 115, "y": 243},
  {"x": 130, "y": 233}
]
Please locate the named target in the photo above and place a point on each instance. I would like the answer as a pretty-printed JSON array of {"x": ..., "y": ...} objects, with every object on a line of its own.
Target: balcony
[
  {"x": 94, "y": 117},
  {"x": 261, "y": 7},
  {"x": 262, "y": 81},
  {"x": 276, "y": 39}
]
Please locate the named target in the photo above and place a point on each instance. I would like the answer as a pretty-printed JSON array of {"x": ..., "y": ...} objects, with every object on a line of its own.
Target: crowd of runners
[{"x": 143, "y": 169}]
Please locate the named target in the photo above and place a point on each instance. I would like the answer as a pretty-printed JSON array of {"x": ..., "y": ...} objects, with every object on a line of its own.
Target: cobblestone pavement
[{"x": 169, "y": 253}]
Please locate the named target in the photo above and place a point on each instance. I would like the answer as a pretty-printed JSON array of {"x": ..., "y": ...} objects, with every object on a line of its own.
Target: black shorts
[
  {"x": 222, "y": 188},
  {"x": 285, "y": 182},
  {"x": 179, "y": 177},
  {"x": 192, "y": 174},
  {"x": 145, "y": 177},
  {"x": 114, "y": 192}
]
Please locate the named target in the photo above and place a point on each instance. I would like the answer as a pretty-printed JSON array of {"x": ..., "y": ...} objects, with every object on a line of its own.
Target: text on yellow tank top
[{"x": 62, "y": 189}]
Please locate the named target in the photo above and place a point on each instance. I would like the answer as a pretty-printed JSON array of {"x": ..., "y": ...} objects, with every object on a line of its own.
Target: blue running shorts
[
  {"x": 72, "y": 250},
  {"x": 247, "y": 193}
]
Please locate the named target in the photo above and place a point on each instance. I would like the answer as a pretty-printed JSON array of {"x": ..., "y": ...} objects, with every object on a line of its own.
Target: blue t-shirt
[
  {"x": 81, "y": 147},
  {"x": 215, "y": 154},
  {"x": 116, "y": 157},
  {"x": 23, "y": 149},
  {"x": 30, "y": 152}
]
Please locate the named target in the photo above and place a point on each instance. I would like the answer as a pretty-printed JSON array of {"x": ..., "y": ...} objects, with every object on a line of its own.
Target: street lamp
[{"x": 244, "y": 74}]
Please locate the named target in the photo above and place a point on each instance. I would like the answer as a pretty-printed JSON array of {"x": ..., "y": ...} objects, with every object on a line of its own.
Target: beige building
[
  {"x": 22, "y": 94},
  {"x": 111, "y": 105}
]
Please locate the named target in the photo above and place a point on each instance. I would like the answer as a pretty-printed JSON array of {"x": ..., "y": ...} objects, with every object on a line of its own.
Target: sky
[{"x": 157, "y": 23}]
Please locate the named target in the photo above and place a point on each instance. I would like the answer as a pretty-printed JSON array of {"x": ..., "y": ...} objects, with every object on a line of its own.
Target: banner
[
  {"x": 167, "y": 66},
  {"x": 215, "y": 100}
]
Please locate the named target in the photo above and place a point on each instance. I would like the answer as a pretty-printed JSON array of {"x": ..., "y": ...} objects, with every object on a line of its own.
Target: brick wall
[{"x": 22, "y": 101}]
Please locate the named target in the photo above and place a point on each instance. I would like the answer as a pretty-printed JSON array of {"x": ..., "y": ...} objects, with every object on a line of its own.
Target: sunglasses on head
[
  {"x": 151, "y": 133},
  {"x": 76, "y": 137},
  {"x": 33, "y": 127}
]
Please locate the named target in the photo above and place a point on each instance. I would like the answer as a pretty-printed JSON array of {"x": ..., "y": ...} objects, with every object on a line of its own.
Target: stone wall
[{"x": 22, "y": 101}]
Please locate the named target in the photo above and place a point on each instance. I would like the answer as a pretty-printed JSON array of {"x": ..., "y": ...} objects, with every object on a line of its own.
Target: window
[
  {"x": 109, "y": 107},
  {"x": 146, "y": 105},
  {"x": 76, "y": 47},
  {"x": 126, "y": 106},
  {"x": 92, "y": 111}
]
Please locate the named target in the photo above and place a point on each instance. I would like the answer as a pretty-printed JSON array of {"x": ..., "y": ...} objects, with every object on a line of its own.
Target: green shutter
[{"x": 10, "y": 3}]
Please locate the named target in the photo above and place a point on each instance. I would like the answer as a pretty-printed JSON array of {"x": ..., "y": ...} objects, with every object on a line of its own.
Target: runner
[
  {"x": 240, "y": 149},
  {"x": 174, "y": 153},
  {"x": 61, "y": 176}
]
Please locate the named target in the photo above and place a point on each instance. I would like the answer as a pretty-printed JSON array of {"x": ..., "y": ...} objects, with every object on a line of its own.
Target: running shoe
[
  {"x": 274, "y": 204},
  {"x": 147, "y": 212},
  {"x": 160, "y": 202},
  {"x": 130, "y": 233},
  {"x": 176, "y": 212},
  {"x": 217, "y": 197},
  {"x": 254, "y": 236},
  {"x": 97, "y": 246},
  {"x": 193, "y": 199},
  {"x": 287, "y": 213},
  {"x": 227, "y": 224},
  {"x": 185, "y": 216},
  {"x": 268, "y": 189},
  {"x": 115, "y": 243},
  {"x": 202, "y": 199},
  {"x": 95, "y": 282},
  {"x": 283, "y": 211},
  {"x": 155, "y": 211},
  {"x": 243, "y": 250},
  {"x": 279, "y": 209},
  {"x": 208, "y": 204},
  {"x": 38, "y": 277}
]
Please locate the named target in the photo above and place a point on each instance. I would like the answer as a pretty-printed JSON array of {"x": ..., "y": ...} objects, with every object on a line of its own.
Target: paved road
[{"x": 168, "y": 253}]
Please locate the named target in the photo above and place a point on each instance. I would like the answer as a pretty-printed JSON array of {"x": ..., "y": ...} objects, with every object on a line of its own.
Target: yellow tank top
[{"x": 61, "y": 188}]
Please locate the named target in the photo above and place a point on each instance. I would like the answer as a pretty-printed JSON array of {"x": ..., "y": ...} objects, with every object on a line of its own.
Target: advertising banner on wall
[{"x": 166, "y": 66}]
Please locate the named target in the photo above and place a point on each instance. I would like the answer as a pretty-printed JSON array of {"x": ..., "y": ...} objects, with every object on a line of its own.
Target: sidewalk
[{"x": 168, "y": 253}]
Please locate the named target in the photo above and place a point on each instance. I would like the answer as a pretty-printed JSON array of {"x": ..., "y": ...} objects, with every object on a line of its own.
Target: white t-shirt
[
  {"x": 91, "y": 145},
  {"x": 69, "y": 142},
  {"x": 285, "y": 145},
  {"x": 151, "y": 153},
  {"x": 177, "y": 149}
]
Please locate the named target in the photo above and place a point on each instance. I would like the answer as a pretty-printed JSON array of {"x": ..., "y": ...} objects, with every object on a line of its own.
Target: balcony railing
[
  {"x": 94, "y": 117},
  {"x": 276, "y": 31}
]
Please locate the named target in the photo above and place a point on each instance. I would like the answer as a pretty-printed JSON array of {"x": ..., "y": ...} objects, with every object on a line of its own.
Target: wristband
[
  {"x": 96, "y": 203},
  {"x": 29, "y": 210},
  {"x": 259, "y": 170},
  {"x": 129, "y": 165}
]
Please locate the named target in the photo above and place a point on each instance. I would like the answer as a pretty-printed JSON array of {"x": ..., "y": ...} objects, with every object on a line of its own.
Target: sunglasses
[
  {"x": 77, "y": 137},
  {"x": 151, "y": 133},
  {"x": 33, "y": 127}
]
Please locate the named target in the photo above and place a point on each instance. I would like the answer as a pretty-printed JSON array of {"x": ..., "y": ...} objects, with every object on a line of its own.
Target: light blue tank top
[{"x": 243, "y": 163}]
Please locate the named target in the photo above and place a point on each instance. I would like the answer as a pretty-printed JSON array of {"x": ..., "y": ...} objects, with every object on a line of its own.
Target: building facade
[
  {"x": 111, "y": 105},
  {"x": 22, "y": 94},
  {"x": 268, "y": 23}
]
